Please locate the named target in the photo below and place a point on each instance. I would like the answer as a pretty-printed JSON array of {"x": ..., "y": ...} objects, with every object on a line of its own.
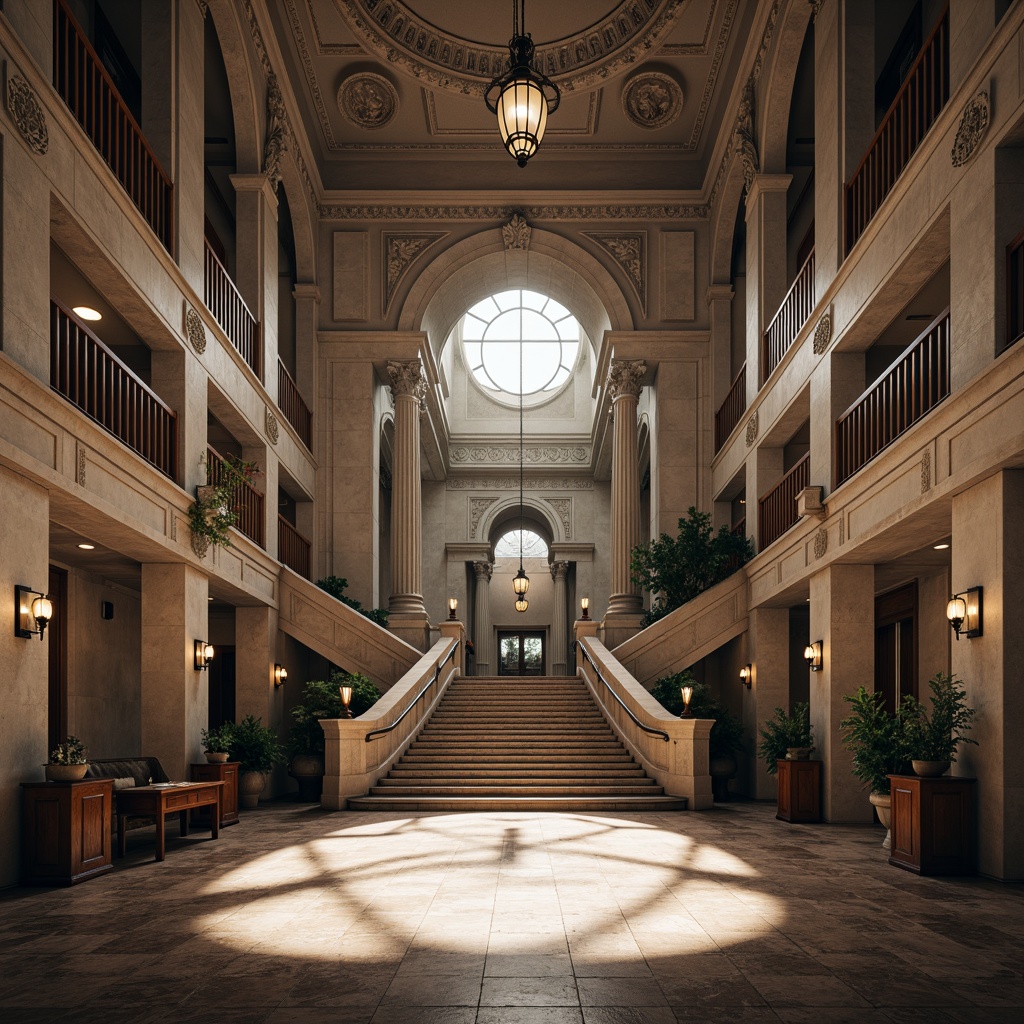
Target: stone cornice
[{"x": 426, "y": 211}]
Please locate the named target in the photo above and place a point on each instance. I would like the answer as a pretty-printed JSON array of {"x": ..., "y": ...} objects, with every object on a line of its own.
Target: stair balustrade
[
  {"x": 89, "y": 375},
  {"x": 909, "y": 389},
  {"x": 84, "y": 84},
  {"x": 776, "y": 510},
  {"x": 787, "y": 323},
  {"x": 732, "y": 409},
  {"x": 925, "y": 91}
]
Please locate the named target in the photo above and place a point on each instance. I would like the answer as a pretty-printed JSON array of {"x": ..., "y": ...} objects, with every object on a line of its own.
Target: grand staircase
[{"x": 530, "y": 743}]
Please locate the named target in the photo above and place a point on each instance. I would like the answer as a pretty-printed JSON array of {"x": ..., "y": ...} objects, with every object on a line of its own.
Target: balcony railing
[
  {"x": 796, "y": 307},
  {"x": 292, "y": 547},
  {"x": 777, "y": 509},
  {"x": 248, "y": 501},
  {"x": 732, "y": 408},
  {"x": 231, "y": 312},
  {"x": 909, "y": 389},
  {"x": 1015, "y": 290},
  {"x": 87, "y": 373},
  {"x": 295, "y": 410},
  {"x": 89, "y": 92},
  {"x": 923, "y": 94}
]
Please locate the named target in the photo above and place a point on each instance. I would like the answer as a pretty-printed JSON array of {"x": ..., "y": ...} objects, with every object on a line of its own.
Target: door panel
[{"x": 520, "y": 654}]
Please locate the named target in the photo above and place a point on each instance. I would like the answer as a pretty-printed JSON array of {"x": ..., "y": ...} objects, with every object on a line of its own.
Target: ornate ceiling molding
[
  {"x": 697, "y": 211},
  {"x": 509, "y": 454},
  {"x": 367, "y": 100},
  {"x": 603, "y": 51},
  {"x": 511, "y": 483},
  {"x": 652, "y": 100},
  {"x": 629, "y": 250}
]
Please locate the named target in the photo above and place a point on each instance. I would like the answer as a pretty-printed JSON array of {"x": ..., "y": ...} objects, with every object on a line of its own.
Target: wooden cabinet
[
  {"x": 66, "y": 831},
  {"x": 932, "y": 824},
  {"x": 226, "y": 773},
  {"x": 799, "y": 790}
]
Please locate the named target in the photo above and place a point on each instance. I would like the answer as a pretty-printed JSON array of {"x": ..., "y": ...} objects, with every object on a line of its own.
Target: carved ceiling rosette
[
  {"x": 368, "y": 100},
  {"x": 400, "y": 252},
  {"x": 629, "y": 250},
  {"x": 652, "y": 100},
  {"x": 624, "y": 377}
]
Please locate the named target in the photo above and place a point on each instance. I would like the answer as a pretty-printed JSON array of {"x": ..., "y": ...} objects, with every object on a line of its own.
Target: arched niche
[
  {"x": 504, "y": 515},
  {"x": 480, "y": 266}
]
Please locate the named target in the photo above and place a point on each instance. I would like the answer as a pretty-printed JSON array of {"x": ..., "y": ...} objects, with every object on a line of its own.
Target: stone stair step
[{"x": 519, "y": 803}]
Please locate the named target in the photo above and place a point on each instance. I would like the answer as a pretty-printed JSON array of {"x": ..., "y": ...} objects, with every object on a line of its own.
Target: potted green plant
[
  {"x": 726, "y": 739},
  {"x": 215, "y": 509},
  {"x": 217, "y": 742},
  {"x": 933, "y": 735},
  {"x": 786, "y": 736},
  {"x": 254, "y": 746},
  {"x": 68, "y": 761},
  {"x": 879, "y": 742},
  {"x": 336, "y": 586},
  {"x": 321, "y": 699}
]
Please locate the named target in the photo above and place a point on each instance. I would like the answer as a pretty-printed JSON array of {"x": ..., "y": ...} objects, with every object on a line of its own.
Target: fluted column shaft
[
  {"x": 559, "y": 640},
  {"x": 624, "y": 387},
  {"x": 407, "y": 388},
  {"x": 482, "y": 618}
]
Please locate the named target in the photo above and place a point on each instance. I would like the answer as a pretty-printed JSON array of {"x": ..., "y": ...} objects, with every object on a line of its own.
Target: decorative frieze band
[
  {"x": 511, "y": 483},
  {"x": 501, "y": 454},
  {"x": 337, "y": 211}
]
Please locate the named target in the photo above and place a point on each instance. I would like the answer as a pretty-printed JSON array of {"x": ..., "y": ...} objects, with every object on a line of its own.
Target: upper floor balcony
[
  {"x": 776, "y": 510},
  {"x": 295, "y": 410},
  {"x": 732, "y": 409},
  {"x": 85, "y": 86},
  {"x": 248, "y": 502},
  {"x": 225, "y": 302},
  {"x": 787, "y": 323}
]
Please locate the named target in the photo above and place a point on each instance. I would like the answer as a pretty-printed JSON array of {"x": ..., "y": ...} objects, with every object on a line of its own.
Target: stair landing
[{"x": 514, "y": 743}]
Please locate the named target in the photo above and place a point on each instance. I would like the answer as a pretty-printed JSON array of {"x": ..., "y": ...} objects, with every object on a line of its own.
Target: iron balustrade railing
[
  {"x": 230, "y": 311},
  {"x": 292, "y": 547},
  {"x": 1015, "y": 290},
  {"x": 248, "y": 502},
  {"x": 732, "y": 409},
  {"x": 794, "y": 312},
  {"x": 776, "y": 510},
  {"x": 911, "y": 387},
  {"x": 295, "y": 410},
  {"x": 922, "y": 96},
  {"x": 90, "y": 94},
  {"x": 431, "y": 682},
  {"x": 618, "y": 700},
  {"x": 88, "y": 374}
]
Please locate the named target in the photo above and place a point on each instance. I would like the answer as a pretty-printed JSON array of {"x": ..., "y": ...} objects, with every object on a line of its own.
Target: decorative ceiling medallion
[
  {"x": 629, "y": 250},
  {"x": 652, "y": 100},
  {"x": 400, "y": 251},
  {"x": 971, "y": 130},
  {"x": 368, "y": 100},
  {"x": 605, "y": 49}
]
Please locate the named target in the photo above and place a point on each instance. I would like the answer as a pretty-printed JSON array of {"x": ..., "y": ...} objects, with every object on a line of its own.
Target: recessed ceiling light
[
  {"x": 87, "y": 313},
  {"x": 743, "y": 501},
  {"x": 940, "y": 547},
  {"x": 87, "y": 547}
]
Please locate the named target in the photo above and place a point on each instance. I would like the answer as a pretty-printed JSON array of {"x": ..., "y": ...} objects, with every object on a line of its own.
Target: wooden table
[{"x": 160, "y": 800}]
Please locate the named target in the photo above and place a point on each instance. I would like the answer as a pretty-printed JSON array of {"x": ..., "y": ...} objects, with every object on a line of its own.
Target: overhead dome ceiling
[{"x": 452, "y": 46}]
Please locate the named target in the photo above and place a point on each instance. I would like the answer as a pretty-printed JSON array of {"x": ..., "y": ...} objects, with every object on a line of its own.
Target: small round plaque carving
[
  {"x": 652, "y": 100},
  {"x": 368, "y": 101}
]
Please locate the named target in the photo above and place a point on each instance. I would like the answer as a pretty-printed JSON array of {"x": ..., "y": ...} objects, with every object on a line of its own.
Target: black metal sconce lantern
[
  {"x": 964, "y": 613},
  {"x": 32, "y": 612}
]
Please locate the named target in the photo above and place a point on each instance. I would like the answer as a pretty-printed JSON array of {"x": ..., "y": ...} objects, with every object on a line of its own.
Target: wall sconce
[
  {"x": 585, "y": 609},
  {"x": 203, "y": 655},
  {"x": 31, "y": 609},
  {"x": 453, "y": 604},
  {"x": 746, "y": 676},
  {"x": 964, "y": 613},
  {"x": 687, "y": 692},
  {"x": 812, "y": 655},
  {"x": 280, "y": 675},
  {"x": 346, "y": 699}
]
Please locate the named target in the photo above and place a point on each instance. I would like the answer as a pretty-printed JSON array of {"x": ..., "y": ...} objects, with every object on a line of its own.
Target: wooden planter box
[
  {"x": 226, "y": 773},
  {"x": 932, "y": 824},
  {"x": 799, "y": 790}
]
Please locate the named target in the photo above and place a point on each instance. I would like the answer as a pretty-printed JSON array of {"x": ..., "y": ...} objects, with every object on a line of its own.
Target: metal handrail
[
  {"x": 600, "y": 675},
  {"x": 437, "y": 675}
]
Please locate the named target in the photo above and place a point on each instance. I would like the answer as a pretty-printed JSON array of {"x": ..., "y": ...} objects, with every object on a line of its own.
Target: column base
[
  {"x": 617, "y": 628},
  {"x": 413, "y": 629}
]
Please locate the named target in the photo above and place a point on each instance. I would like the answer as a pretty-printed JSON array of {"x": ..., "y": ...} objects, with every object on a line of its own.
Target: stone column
[
  {"x": 482, "y": 618},
  {"x": 559, "y": 641},
  {"x": 843, "y": 619},
  {"x": 625, "y": 607},
  {"x": 175, "y": 697},
  {"x": 408, "y": 614}
]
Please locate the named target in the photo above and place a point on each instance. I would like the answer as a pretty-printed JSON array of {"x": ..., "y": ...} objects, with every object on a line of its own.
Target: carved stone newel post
[{"x": 624, "y": 604}]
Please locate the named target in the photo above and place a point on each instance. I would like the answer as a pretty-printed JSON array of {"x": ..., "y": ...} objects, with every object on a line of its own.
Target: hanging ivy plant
[{"x": 215, "y": 509}]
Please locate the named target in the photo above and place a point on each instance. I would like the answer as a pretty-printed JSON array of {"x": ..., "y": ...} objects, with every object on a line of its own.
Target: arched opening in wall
[
  {"x": 219, "y": 160},
  {"x": 522, "y": 647},
  {"x": 800, "y": 163},
  {"x": 286, "y": 278}
]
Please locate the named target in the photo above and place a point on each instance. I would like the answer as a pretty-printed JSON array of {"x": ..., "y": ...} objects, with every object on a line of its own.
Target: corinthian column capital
[
  {"x": 624, "y": 377},
  {"x": 483, "y": 570},
  {"x": 559, "y": 570},
  {"x": 407, "y": 379}
]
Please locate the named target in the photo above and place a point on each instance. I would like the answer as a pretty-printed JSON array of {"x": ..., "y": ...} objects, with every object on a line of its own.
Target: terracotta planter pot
[
  {"x": 250, "y": 785},
  {"x": 882, "y": 804},
  {"x": 65, "y": 772},
  {"x": 216, "y": 757}
]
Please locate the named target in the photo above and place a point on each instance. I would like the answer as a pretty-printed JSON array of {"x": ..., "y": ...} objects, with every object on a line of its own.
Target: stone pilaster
[
  {"x": 625, "y": 607},
  {"x": 559, "y": 641},
  {"x": 482, "y": 618},
  {"x": 408, "y": 614}
]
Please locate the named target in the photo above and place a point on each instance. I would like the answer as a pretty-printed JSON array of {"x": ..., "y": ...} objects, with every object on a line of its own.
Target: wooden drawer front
[{"x": 183, "y": 801}]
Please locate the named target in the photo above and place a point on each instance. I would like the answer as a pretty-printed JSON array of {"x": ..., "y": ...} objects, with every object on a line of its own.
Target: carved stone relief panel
[
  {"x": 477, "y": 510},
  {"x": 652, "y": 100},
  {"x": 629, "y": 250},
  {"x": 368, "y": 100},
  {"x": 26, "y": 112},
  {"x": 563, "y": 509},
  {"x": 400, "y": 252}
]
